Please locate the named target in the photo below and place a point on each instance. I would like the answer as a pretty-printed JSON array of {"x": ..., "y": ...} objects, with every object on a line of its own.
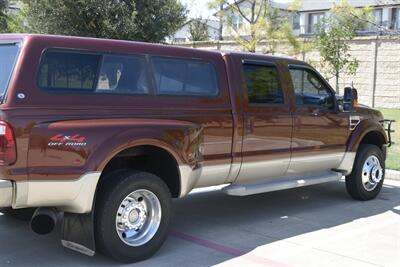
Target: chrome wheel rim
[
  {"x": 372, "y": 173},
  {"x": 138, "y": 217}
]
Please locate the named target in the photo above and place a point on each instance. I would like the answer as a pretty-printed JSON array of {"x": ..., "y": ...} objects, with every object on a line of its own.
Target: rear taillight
[{"x": 8, "y": 152}]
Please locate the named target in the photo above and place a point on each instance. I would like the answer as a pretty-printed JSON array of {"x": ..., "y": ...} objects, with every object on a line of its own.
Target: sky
[{"x": 199, "y": 8}]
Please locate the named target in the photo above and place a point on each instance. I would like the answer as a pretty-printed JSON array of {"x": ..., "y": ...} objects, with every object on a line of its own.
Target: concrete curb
[{"x": 392, "y": 175}]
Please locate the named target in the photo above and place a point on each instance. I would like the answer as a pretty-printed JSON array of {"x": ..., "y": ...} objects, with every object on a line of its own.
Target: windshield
[{"x": 8, "y": 56}]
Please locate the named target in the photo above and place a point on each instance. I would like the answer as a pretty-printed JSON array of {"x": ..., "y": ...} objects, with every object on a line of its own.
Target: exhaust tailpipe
[{"x": 44, "y": 221}]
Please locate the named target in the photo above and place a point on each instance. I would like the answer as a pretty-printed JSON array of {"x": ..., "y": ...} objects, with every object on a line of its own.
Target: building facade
[
  {"x": 310, "y": 14},
  {"x": 386, "y": 14}
]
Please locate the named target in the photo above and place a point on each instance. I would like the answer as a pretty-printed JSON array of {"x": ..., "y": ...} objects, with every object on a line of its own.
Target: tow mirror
[{"x": 350, "y": 99}]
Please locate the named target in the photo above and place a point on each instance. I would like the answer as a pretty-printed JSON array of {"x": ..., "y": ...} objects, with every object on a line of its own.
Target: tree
[
  {"x": 17, "y": 21},
  {"x": 198, "y": 30},
  {"x": 219, "y": 5},
  {"x": 157, "y": 19},
  {"x": 3, "y": 15},
  {"x": 253, "y": 12},
  {"x": 333, "y": 35},
  {"x": 278, "y": 29},
  {"x": 140, "y": 20}
]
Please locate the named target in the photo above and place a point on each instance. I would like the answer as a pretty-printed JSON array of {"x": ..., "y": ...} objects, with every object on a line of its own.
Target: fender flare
[{"x": 365, "y": 127}]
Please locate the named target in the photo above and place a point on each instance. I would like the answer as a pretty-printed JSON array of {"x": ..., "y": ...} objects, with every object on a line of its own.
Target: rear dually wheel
[{"x": 132, "y": 215}]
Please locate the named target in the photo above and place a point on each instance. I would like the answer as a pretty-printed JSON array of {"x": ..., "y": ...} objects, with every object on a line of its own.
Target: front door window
[{"x": 310, "y": 90}]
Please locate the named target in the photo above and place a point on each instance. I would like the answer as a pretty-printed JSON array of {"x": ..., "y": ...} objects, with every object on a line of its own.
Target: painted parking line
[{"x": 226, "y": 249}]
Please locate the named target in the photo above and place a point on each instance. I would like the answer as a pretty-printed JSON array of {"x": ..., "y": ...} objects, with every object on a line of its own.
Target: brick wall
[{"x": 377, "y": 78}]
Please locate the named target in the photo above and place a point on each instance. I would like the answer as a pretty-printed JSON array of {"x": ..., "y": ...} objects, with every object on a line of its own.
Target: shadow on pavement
[{"x": 211, "y": 227}]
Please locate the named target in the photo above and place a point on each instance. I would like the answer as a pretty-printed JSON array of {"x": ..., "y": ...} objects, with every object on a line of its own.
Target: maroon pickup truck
[{"x": 107, "y": 132}]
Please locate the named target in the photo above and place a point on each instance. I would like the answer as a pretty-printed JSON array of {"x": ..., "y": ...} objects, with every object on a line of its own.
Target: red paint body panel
[{"x": 224, "y": 128}]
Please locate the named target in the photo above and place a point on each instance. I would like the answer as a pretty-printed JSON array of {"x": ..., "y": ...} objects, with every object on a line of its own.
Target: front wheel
[
  {"x": 366, "y": 180},
  {"x": 133, "y": 212}
]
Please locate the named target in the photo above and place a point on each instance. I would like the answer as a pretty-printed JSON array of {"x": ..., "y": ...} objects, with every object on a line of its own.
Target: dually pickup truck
[{"x": 104, "y": 133}]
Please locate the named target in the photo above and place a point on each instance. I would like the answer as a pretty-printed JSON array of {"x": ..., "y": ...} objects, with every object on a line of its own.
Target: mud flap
[{"x": 78, "y": 233}]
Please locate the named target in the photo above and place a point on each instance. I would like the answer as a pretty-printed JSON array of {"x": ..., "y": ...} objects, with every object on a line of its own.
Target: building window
[
  {"x": 395, "y": 19},
  {"x": 179, "y": 40},
  {"x": 397, "y": 25},
  {"x": 296, "y": 21},
  {"x": 373, "y": 27},
  {"x": 237, "y": 22},
  {"x": 315, "y": 19},
  {"x": 378, "y": 16}
]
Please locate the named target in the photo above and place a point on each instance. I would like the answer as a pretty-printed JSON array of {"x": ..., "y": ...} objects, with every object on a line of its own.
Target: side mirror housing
[{"x": 350, "y": 99}]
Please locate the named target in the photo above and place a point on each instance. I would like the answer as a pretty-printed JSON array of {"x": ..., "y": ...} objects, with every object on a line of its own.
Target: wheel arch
[
  {"x": 368, "y": 132},
  {"x": 148, "y": 156},
  {"x": 374, "y": 138}
]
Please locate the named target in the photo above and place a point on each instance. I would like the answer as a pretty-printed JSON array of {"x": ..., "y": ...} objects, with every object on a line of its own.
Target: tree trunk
[
  {"x": 337, "y": 82},
  {"x": 220, "y": 30}
]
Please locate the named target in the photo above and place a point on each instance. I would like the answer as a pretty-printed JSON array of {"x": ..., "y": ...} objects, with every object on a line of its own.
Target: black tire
[
  {"x": 19, "y": 214},
  {"x": 354, "y": 183},
  {"x": 116, "y": 187}
]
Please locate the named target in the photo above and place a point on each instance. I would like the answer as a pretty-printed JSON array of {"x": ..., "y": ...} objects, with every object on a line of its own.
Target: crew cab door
[
  {"x": 267, "y": 122},
  {"x": 320, "y": 130}
]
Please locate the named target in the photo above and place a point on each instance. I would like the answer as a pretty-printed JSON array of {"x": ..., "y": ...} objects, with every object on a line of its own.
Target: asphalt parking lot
[{"x": 311, "y": 226}]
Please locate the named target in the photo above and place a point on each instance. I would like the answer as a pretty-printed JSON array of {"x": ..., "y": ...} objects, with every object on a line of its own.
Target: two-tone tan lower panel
[
  {"x": 71, "y": 196},
  {"x": 346, "y": 165},
  {"x": 315, "y": 162},
  {"x": 202, "y": 176},
  {"x": 265, "y": 170},
  {"x": 6, "y": 193}
]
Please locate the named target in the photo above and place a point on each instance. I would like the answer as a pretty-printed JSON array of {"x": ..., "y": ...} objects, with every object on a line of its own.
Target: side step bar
[{"x": 276, "y": 185}]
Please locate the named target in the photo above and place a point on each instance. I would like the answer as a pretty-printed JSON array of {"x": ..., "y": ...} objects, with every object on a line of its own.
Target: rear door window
[
  {"x": 184, "y": 77},
  {"x": 8, "y": 57},
  {"x": 263, "y": 86}
]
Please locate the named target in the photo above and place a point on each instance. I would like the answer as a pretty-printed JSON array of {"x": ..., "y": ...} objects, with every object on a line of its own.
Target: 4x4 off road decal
[{"x": 67, "y": 140}]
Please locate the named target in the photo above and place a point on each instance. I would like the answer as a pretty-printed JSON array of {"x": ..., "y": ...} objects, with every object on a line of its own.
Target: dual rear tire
[{"x": 132, "y": 215}]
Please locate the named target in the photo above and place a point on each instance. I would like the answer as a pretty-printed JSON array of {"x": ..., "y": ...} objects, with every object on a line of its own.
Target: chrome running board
[{"x": 276, "y": 185}]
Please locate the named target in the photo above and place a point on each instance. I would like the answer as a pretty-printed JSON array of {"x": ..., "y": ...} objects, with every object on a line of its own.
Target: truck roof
[{"x": 98, "y": 43}]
